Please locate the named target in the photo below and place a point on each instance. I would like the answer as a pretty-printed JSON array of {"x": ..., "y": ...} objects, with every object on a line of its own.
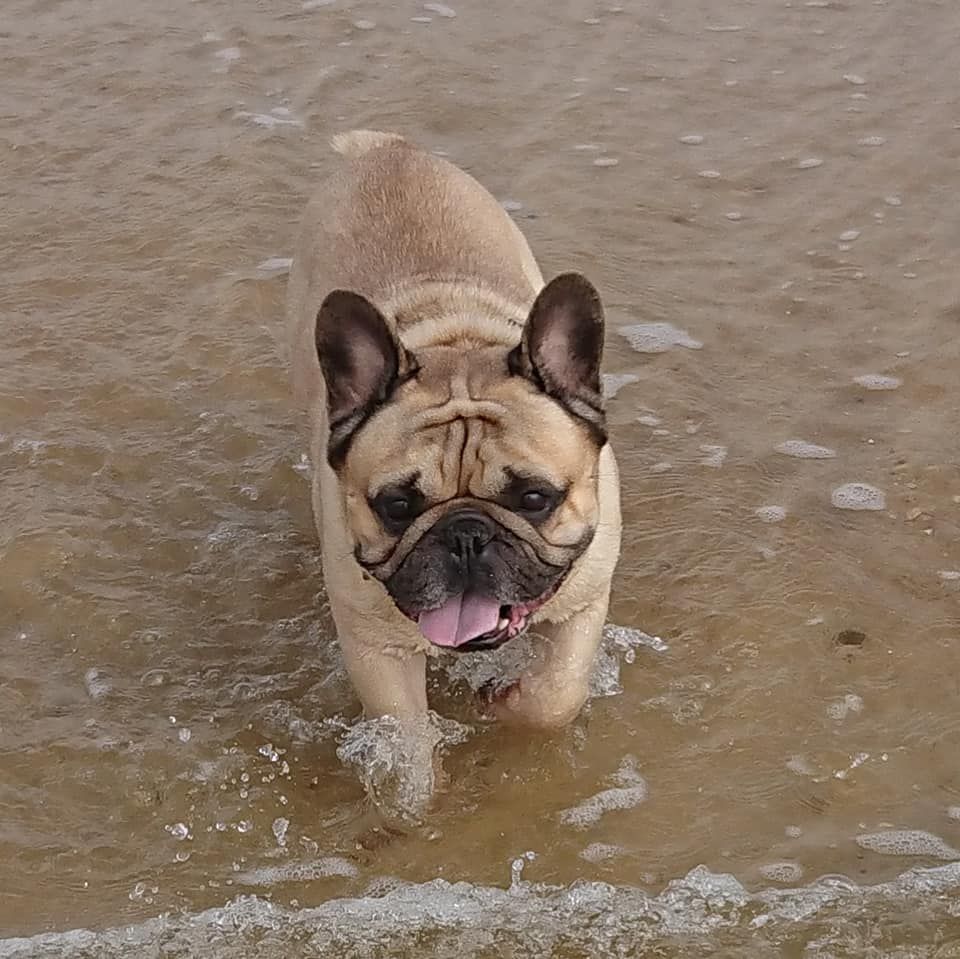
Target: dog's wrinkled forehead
[{"x": 460, "y": 426}]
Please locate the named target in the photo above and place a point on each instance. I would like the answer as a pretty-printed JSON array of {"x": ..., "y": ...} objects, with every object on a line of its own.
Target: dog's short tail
[{"x": 356, "y": 143}]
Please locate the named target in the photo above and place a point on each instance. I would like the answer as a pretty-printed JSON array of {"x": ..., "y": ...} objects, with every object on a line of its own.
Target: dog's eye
[
  {"x": 534, "y": 501},
  {"x": 397, "y": 507},
  {"x": 534, "y": 498}
]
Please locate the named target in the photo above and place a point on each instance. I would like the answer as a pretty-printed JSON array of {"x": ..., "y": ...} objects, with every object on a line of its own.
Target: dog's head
[{"x": 468, "y": 475}]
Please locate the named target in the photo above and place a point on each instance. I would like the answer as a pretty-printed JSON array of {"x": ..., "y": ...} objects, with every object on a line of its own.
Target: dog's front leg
[
  {"x": 551, "y": 693},
  {"x": 398, "y": 762},
  {"x": 389, "y": 682}
]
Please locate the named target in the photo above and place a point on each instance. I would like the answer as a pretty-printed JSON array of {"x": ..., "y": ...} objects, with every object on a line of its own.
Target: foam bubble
[
  {"x": 629, "y": 791},
  {"x": 715, "y": 455},
  {"x": 601, "y": 852},
  {"x": 267, "y": 120},
  {"x": 228, "y": 54},
  {"x": 783, "y": 872},
  {"x": 365, "y": 24},
  {"x": 709, "y": 174},
  {"x": 858, "y": 496},
  {"x": 97, "y": 683},
  {"x": 803, "y": 450},
  {"x": 809, "y": 163},
  {"x": 440, "y": 9},
  {"x": 873, "y": 141},
  {"x": 734, "y": 216},
  {"x": 691, "y": 139},
  {"x": 274, "y": 266},
  {"x": 878, "y": 381},
  {"x": 614, "y": 382},
  {"x": 855, "y": 79},
  {"x": 841, "y": 708},
  {"x": 303, "y": 466},
  {"x": 658, "y": 337},
  {"x": 325, "y": 868},
  {"x": 770, "y": 514},
  {"x": 848, "y": 236},
  {"x": 953, "y": 812},
  {"x": 280, "y": 827},
  {"x": 606, "y": 161},
  {"x": 316, "y": 4},
  {"x": 907, "y": 842},
  {"x": 949, "y": 575},
  {"x": 626, "y": 638}
]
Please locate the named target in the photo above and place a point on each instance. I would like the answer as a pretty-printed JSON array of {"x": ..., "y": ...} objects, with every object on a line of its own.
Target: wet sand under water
[{"x": 765, "y": 194}]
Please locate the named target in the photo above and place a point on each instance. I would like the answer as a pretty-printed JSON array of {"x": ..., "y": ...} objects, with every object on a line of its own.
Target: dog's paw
[
  {"x": 492, "y": 699},
  {"x": 529, "y": 703}
]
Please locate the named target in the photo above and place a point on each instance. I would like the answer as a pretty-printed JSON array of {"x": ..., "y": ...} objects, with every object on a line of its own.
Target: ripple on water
[
  {"x": 803, "y": 450},
  {"x": 858, "y": 496},
  {"x": 714, "y": 455}
]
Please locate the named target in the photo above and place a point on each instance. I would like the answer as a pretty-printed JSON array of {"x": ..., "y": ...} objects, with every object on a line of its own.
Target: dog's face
[{"x": 469, "y": 476}]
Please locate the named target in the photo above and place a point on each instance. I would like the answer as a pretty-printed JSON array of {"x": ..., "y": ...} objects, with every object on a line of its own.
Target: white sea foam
[
  {"x": 858, "y": 496},
  {"x": 586, "y": 918},
  {"x": 658, "y": 337},
  {"x": 801, "y": 449}
]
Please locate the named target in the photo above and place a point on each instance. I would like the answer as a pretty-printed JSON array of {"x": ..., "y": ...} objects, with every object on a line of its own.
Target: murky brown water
[{"x": 171, "y": 693}]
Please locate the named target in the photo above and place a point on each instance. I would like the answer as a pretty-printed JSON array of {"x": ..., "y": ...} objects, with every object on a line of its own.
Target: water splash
[{"x": 396, "y": 762}]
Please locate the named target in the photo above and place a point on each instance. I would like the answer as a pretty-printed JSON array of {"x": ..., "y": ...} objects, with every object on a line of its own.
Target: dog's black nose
[{"x": 466, "y": 534}]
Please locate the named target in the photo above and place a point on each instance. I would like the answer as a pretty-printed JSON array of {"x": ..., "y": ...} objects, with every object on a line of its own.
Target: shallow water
[{"x": 172, "y": 705}]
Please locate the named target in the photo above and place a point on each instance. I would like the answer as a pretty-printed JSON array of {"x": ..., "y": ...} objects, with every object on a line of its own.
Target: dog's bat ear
[
  {"x": 362, "y": 363},
  {"x": 562, "y": 347}
]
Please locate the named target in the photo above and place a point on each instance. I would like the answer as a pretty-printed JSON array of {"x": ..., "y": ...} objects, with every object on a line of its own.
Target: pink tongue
[{"x": 459, "y": 620}]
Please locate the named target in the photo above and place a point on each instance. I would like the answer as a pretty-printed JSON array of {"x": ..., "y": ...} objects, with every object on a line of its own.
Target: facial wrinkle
[
  {"x": 471, "y": 461},
  {"x": 454, "y": 443}
]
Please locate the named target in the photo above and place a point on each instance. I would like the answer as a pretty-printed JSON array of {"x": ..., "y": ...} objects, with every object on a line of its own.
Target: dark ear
[
  {"x": 362, "y": 363},
  {"x": 562, "y": 346}
]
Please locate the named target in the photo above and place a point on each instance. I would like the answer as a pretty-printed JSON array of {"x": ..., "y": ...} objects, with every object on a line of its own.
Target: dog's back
[{"x": 393, "y": 219}]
